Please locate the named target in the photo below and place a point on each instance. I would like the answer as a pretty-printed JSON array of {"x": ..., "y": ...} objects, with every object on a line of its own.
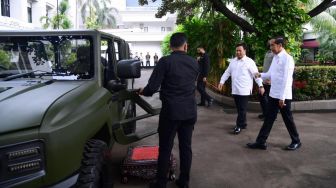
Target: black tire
[{"x": 94, "y": 172}]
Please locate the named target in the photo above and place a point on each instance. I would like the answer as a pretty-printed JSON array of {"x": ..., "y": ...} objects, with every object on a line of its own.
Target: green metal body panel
[{"x": 63, "y": 114}]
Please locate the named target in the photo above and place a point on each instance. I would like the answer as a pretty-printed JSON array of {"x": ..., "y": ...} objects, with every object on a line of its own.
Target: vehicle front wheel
[{"x": 94, "y": 171}]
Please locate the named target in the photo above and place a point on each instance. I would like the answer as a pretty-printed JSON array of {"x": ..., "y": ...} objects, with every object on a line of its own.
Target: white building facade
[
  {"x": 139, "y": 26},
  {"x": 136, "y": 24},
  {"x": 25, "y": 14}
]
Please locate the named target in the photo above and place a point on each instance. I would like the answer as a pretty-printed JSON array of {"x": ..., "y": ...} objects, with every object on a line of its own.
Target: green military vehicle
[{"x": 65, "y": 98}]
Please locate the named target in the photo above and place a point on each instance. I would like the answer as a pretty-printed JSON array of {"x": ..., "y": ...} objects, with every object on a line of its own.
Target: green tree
[
  {"x": 4, "y": 59},
  {"x": 91, "y": 21},
  {"x": 214, "y": 32},
  {"x": 258, "y": 19},
  {"x": 324, "y": 26},
  {"x": 60, "y": 20},
  {"x": 98, "y": 13}
]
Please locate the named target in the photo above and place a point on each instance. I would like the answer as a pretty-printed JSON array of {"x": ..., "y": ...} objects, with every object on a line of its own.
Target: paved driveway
[{"x": 220, "y": 159}]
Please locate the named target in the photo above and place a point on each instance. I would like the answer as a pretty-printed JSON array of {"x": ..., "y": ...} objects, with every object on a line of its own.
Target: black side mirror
[{"x": 129, "y": 68}]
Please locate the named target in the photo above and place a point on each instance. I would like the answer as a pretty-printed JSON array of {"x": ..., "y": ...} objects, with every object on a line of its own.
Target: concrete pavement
[{"x": 221, "y": 159}]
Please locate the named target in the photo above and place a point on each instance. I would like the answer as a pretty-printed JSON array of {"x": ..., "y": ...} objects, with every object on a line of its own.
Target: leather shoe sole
[{"x": 256, "y": 145}]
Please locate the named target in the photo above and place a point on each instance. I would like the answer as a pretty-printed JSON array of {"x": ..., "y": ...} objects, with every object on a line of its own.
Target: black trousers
[
  {"x": 273, "y": 109},
  {"x": 167, "y": 131},
  {"x": 147, "y": 63},
  {"x": 202, "y": 91},
  {"x": 264, "y": 99},
  {"x": 241, "y": 105}
]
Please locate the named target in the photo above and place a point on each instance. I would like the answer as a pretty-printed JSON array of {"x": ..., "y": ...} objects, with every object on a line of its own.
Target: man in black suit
[
  {"x": 176, "y": 74},
  {"x": 204, "y": 66}
]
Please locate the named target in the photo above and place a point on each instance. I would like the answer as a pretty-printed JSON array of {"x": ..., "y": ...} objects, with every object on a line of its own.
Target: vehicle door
[{"x": 119, "y": 74}]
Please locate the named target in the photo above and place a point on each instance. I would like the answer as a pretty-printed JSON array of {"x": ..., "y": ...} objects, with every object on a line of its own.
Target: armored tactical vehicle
[{"x": 65, "y": 98}]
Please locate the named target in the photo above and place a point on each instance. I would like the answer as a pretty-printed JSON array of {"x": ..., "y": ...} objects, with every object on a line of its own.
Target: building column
[
  {"x": 18, "y": 10},
  {"x": 38, "y": 10}
]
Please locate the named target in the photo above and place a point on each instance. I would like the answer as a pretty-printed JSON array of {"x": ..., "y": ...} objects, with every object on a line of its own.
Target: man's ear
[{"x": 185, "y": 47}]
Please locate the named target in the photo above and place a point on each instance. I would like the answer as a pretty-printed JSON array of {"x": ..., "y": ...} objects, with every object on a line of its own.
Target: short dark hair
[
  {"x": 279, "y": 40},
  {"x": 242, "y": 44},
  {"x": 177, "y": 40}
]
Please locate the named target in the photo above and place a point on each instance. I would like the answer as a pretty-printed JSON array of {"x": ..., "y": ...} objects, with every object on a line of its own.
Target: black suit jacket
[
  {"x": 204, "y": 66},
  {"x": 176, "y": 74}
]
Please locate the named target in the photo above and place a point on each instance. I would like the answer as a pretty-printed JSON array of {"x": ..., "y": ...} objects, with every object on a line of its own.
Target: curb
[{"x": 299, "y": 106}]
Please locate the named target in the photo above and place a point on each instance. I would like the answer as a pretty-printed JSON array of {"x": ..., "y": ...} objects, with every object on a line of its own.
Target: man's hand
[
  {"x": 267, "y": 81},
  {"x": 282, "y": 103},
  {"x": 261, "y": 91},
  {"x": 204, "y": 79},
  {"x": 257, "y": 75},
  {"x": 140, "y": 92},
  {"x": 220, "y": 87}
]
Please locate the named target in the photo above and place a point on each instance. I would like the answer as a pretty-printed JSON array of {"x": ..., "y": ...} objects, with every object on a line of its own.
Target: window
[
  {"x": 67, "y": 57},
  {"x": 145, "y": 29},
  {"x": 163, "y": 29},
  {"x": 169, "y": 29},
  {"x": 29, "y": 11},
  {"x": 5, "y": 8},
  {"x": 116, "y": 48},
  {"x": 48, "y": 10}
]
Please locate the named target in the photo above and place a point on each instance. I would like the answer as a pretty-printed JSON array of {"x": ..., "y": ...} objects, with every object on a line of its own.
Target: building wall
[
  {"x": 18, "y": 18},
  {"x": 139, "y": 26}
]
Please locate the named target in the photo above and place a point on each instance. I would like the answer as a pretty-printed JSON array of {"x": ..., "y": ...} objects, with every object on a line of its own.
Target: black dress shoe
[
  {"x": 236, "y": 130},
  {"x": 261, "y": 116},
  {"x": 293, "y": 146},
  {"x": 257, "y": 145},
  {"x": 210, "y": 102},
  {"x": 201, "y": 104},
  {"x": 181, "y": 184}
]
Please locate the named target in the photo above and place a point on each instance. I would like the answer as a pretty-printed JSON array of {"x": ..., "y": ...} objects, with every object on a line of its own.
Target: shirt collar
[
  {"x": 178, "y": 52},
  {"x": 281, "y": 53},
  {"x": 242, "y": 59}
]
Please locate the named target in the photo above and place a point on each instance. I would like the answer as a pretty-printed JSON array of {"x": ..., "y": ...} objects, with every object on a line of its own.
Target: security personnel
[
  {"x": 176, "y": 74},
  {"x": 204, "y": 66}
]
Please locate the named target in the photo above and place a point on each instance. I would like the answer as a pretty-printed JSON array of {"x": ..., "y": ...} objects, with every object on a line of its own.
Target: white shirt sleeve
[
  {"x": 226, "y": 74},
  {"x": 253, "y": 70},
  {"x": 288, "y": 71}
]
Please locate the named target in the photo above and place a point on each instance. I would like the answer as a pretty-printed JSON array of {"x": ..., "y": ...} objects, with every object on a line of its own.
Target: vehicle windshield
[{"x": 58, "y": 57}]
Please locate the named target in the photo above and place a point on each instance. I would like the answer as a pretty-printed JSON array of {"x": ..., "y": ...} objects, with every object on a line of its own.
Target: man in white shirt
[
  {"x": 242, "y": 70},
  {"x": 281, "y": 74}
]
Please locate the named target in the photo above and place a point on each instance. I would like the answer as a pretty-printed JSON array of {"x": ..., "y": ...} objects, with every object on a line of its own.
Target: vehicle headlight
[{"x": 21, "y": 163}]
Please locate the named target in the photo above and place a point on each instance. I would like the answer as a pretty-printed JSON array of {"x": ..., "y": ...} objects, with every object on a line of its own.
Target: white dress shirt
[
  {"x": 281, "y": 74},
  {"x": 242, "y": 72}
]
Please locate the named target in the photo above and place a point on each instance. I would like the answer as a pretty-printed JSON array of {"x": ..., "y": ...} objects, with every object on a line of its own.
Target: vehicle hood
[{"x": 24, "y": 103}]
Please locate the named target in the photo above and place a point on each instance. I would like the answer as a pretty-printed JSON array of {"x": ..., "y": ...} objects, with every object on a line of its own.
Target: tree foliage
[
  {"x": 258, "y": 19},
  {"x": 217, "y": 35},
  {"x": 98, "y": 14},
  {"x": 324, "y": 26},
  {"x": 59, "y": 20}
]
